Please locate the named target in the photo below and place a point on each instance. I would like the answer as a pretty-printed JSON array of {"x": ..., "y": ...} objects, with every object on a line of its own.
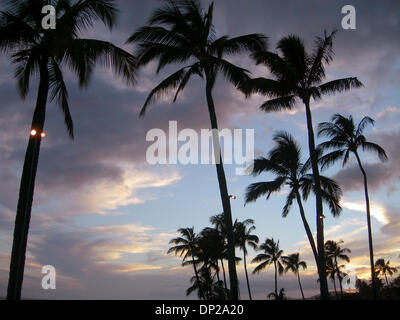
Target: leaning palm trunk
[
  {"x": 245, "y": 271},
  {"x": 301, "y": 288},
  {"x": 23, "y": 217},
  {"x": 197, "y": 279},
  {"x": 371, "y": 248},
  {"x": 223, "y": 190},
  {"x": 307, "y": 227},
  {"x": 319, "y": 218}
]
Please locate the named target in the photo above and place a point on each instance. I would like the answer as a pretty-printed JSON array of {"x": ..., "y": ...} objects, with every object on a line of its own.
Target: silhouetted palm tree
[
  {"x": 293, "y": 263},
  {"x": 331, "y": 272},
  {"x": 298, "y": 75},
  {"x": 345, "y": 138},
  {"x": 336, "y": 253},
  {"x": 284, "y": 160},
  {"x": 187, "y": 246},
  {"x": 272, "y": 255},
  {"x": 383, "y": 267},
  {"x": 243, "y": 235},
  {"x": 218, "y": 221},
  {"x": 44, "y": 53},
  {"x": 182, "y": 32}
]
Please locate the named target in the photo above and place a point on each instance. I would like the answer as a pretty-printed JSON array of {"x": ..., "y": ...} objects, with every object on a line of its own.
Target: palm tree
[
  {"x": 336, "y": 253},
  {"x": 243, "y": 235},
  {"x": 284, "y": 160},
  {"x": 187, "y": 246},
  {"x": 383, "y": 267},
  {"x": 218, "y": 221},
  {"x": 182, "y": 32},
  {"x": 331, "y": 272},
  {"x": 44, "y": 53},
  {"x": 293, "y": 263},
  {"x": 345, "y": 138},
  {"x": 298, "y": 75},
  {"x": 272, "y": 255}
]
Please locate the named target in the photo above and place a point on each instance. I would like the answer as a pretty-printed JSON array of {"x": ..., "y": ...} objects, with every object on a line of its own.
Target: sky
[{"x": 103, "y": 216}]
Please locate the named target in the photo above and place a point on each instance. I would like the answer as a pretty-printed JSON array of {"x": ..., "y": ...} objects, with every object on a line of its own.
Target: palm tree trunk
[
  {"x": 276, "y": 282},
  {"x": 340, "y": 278},
  {"x": 301, "y": 288},
  {"x": 23, "y": 216},
  {"x": 223, "y": 273},
  {"x": 198, "y": 280},
  {"x": 307, "y": 227},
  {"x": 217, "y": 271},
  {"x": 223, "y": 190},
  {"x": 334, "y": 286},
  {"x": 245, "y": 271},
  {"x": 319, "y": 218},
  {"x": 371, "y": 247},
  {"x": 387, "y": 282}
]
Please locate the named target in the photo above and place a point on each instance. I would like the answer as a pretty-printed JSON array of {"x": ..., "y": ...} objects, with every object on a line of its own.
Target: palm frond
[
  {"x": 256, "y": 190},
  {"x": 279, "y": 104},
  {"x": 340, "y": 85}
]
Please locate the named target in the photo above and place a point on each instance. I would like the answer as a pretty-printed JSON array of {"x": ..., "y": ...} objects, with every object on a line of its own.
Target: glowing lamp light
[
  {"x": 232, "y": 197},
  {"x": 43, "y": 135},
  {"x": 33, "y": 133}
]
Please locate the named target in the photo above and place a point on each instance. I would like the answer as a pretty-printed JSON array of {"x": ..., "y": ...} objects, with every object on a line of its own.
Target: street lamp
[{"x": 232, "y": 197}]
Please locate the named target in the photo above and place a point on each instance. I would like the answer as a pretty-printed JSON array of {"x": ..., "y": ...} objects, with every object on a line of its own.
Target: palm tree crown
[
  {"x": 384, "y": 267},
  {"x": 36, "y": 51},
  {"x": 345, "y": 138},
  {"x": 284, "y": 161},
  {"x": 182, "y": 32}
]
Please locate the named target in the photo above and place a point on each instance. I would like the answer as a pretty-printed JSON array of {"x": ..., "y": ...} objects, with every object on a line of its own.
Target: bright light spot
[
  {"x": 43, "y": 135},
  {"x": 33, "y": 133}
]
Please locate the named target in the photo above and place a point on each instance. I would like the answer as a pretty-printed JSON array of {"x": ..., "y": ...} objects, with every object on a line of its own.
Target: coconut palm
[
  {"x": 293, "y": 263},
  {"x": 331, "y": 272},
  {"x": 346, "y": 138},
  {"x": 336, "y": 253},
  {"x": 46, "y": 53},
  {"x": 187, "y": 246},
  {"x": 284, "y": 161},
  {"x": 243, "y": 236},
  {"x": 383, "y": 267},
  {"x": 182, "y": 32},
  {"x": 218, "y": 221},
  {"x": 299, "y": 75},
  {"x": 272, "y": 255}
]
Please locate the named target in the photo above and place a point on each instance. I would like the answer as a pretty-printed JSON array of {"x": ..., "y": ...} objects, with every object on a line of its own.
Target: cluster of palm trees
[
  {"x": 206, "y": 253},
  {"x": 182, "y": 32}
]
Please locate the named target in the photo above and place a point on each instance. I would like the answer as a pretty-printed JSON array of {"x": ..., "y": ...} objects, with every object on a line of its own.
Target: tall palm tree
[
  {"x": 336, "y": 253},
  {"x": 383, "y": 267},
  {"x": 345, "y": 138},
  {"x": 293, "y": 263},
  {"x": 272, "y": 255},
  {"x": 243, "y": 235},
  {"x": 182, "y": 32},
  {"x": 187, "y": 246},
  {"x": 284, "y": 161},
  {"x": 45, "y": 53},
  {"x": 299, "y": 75}
]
